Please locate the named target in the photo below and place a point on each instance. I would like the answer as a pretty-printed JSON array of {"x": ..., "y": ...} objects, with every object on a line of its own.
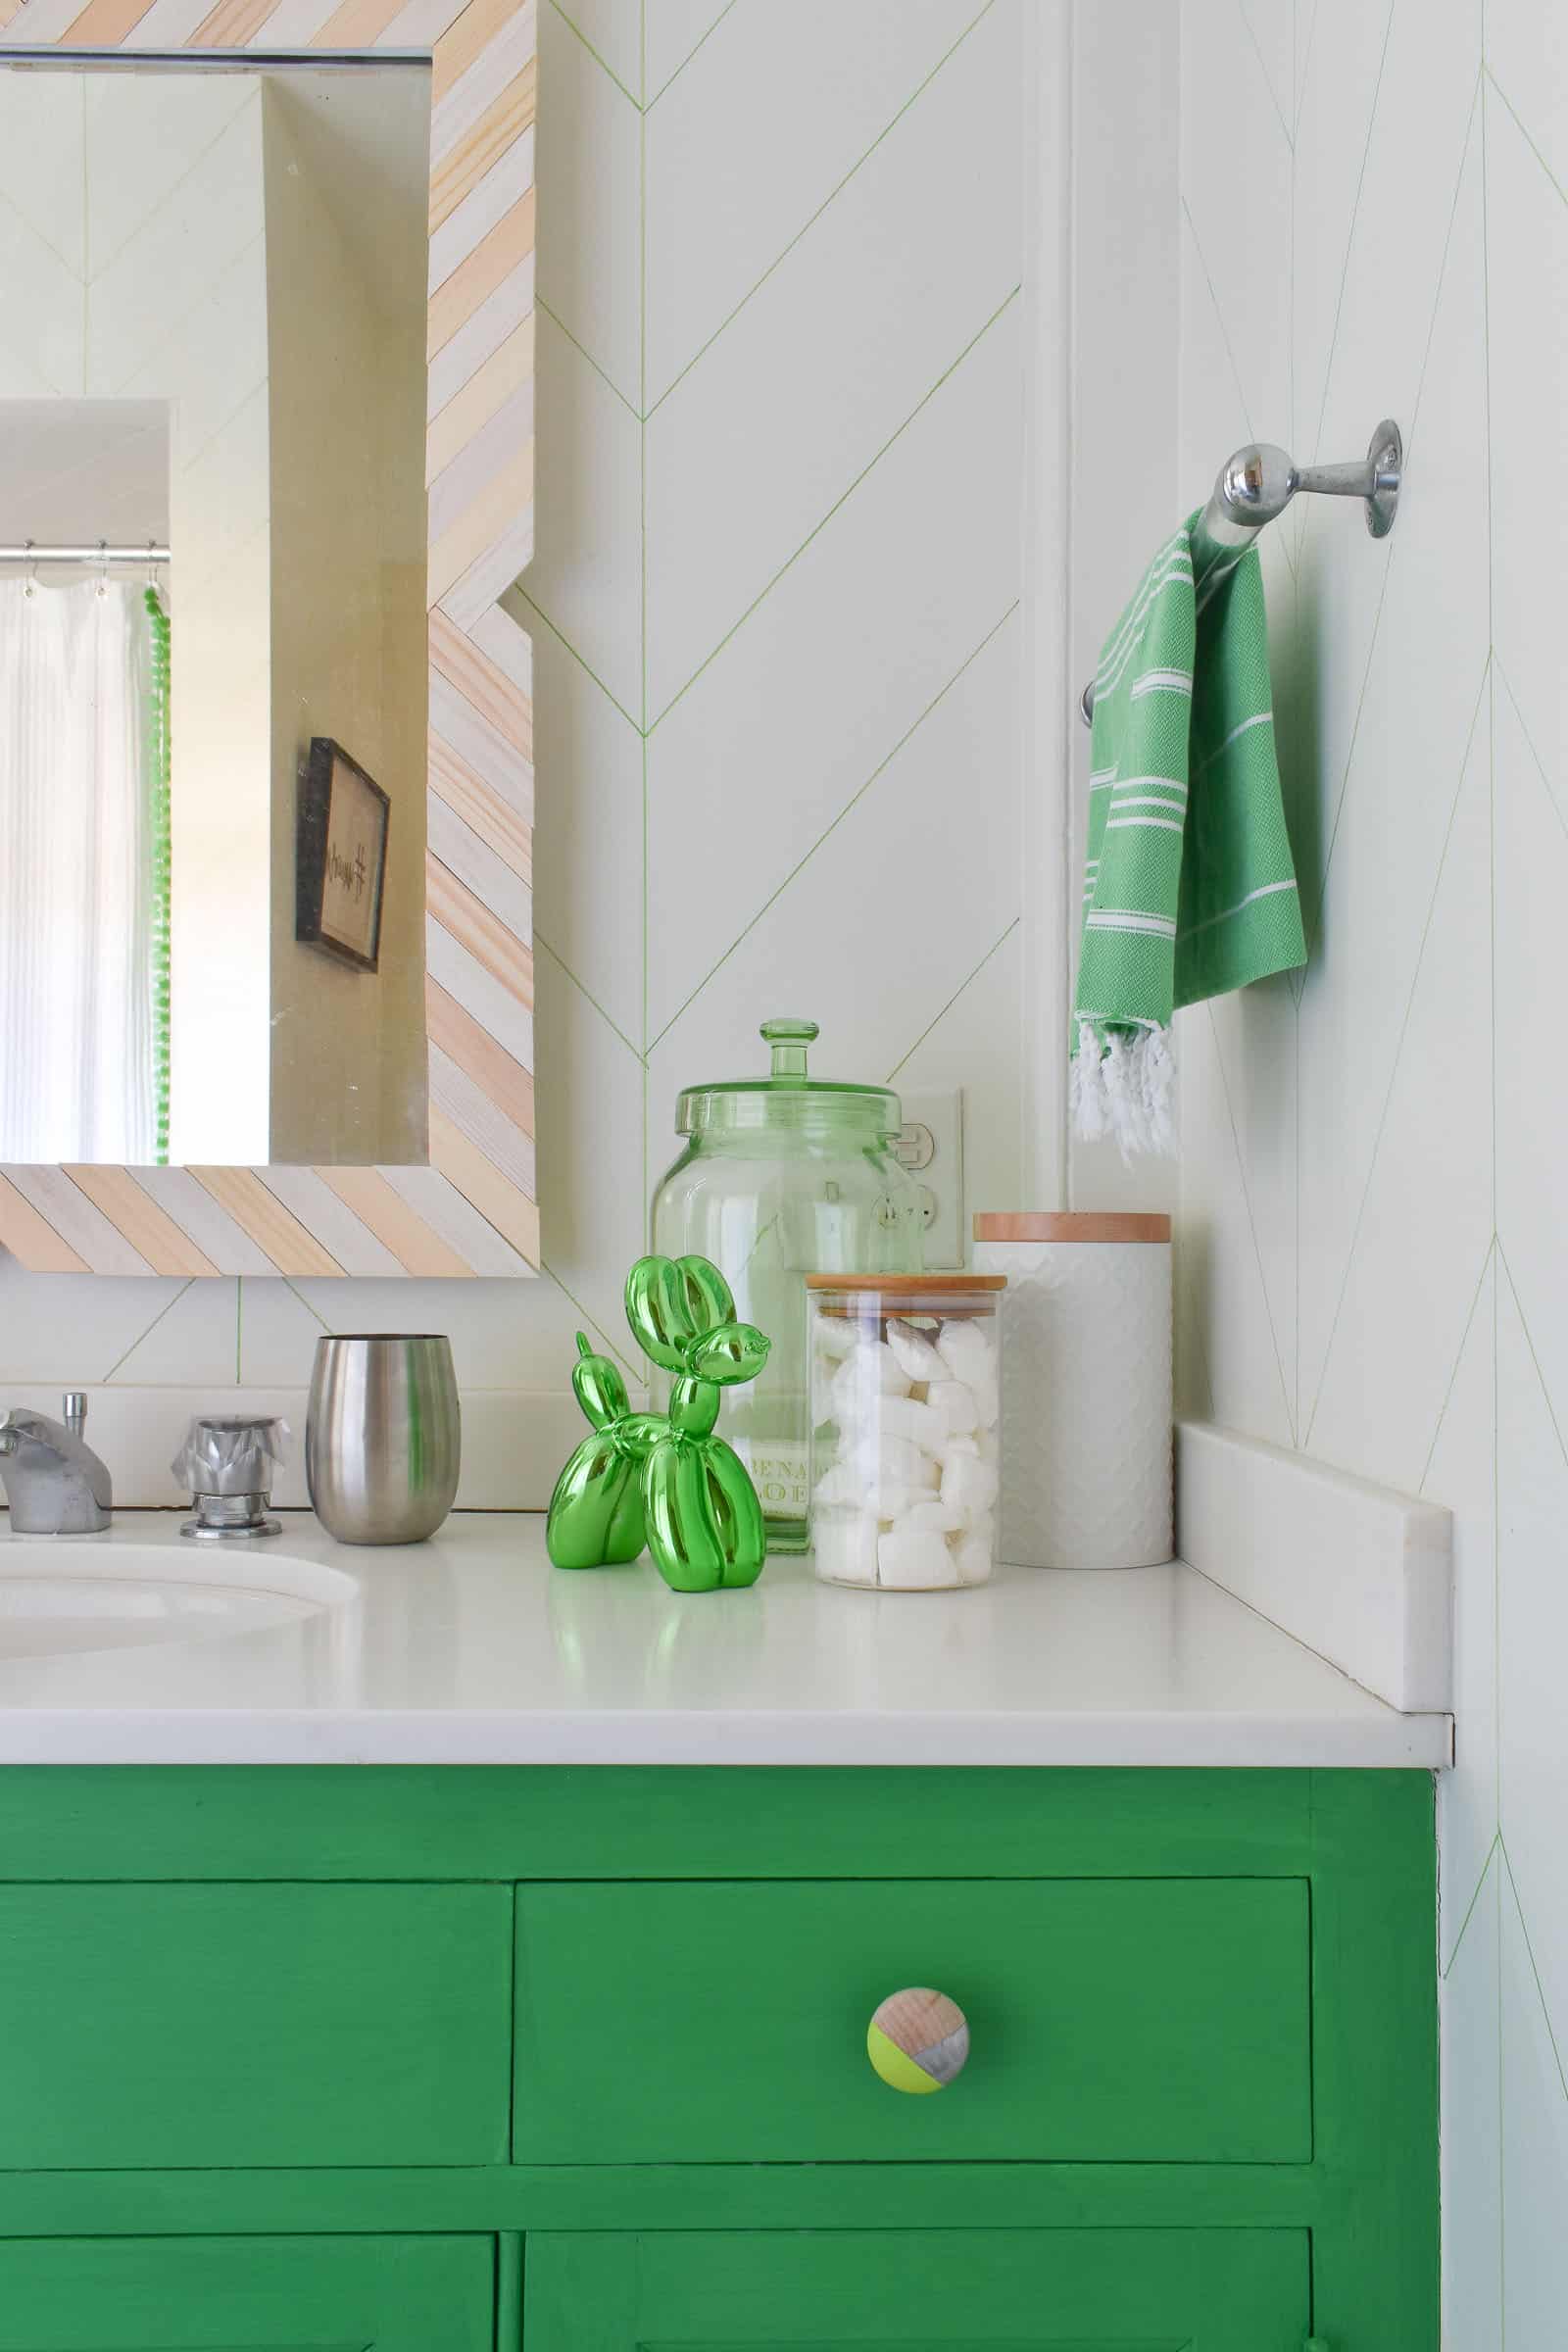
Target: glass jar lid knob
[{"x": 789, "y": 1041}]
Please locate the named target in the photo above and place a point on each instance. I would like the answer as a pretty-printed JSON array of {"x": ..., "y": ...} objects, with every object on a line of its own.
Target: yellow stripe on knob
[
  {"x": 918, "y": 2039},
  {"x": 896, "y": 2071}
]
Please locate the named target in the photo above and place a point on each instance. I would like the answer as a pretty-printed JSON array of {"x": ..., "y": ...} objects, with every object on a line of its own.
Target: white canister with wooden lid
[{"x": 1085, "y": 1383}]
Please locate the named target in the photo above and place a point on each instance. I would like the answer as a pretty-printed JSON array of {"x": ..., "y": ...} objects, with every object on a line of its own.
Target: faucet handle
[{"x": 73, "y": 1410}]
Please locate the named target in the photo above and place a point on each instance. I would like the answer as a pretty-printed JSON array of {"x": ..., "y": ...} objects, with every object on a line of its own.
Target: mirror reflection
[{"x": 211, "y": 614}]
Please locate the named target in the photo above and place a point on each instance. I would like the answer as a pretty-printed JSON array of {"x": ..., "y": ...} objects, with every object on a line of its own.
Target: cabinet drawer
[
  {"x": 265, "y": 2294},
  {"x": 154, "y": 2026},
  {"x": 1111, "y": 2020},
  {"x": 921, "y": 2290}
]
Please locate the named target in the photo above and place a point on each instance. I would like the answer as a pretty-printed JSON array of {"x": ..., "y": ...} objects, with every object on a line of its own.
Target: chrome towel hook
[{"x": 1258, "y": 482}]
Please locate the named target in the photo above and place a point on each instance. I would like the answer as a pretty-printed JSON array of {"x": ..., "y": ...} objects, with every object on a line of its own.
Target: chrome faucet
[{"x": 54, "y": 1481}]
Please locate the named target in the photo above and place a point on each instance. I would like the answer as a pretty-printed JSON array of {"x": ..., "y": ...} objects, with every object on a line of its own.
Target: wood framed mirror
[{"x": 274, "y": 257}]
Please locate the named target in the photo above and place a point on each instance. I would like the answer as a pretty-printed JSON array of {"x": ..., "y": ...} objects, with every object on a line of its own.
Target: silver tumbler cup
[{"x": 384, "y": 1437}]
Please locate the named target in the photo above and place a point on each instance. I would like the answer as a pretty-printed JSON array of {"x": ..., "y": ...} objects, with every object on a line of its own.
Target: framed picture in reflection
[{"x": 340, "y": 869}]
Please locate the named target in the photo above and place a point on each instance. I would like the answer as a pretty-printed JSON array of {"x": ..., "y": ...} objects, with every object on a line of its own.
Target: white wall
[
  {"x": 1371, "y": 1263},
  {"x": 1125, "y": 492},
  {"x": 776, "y": 626},
  {"x": 347, "y": 394}
]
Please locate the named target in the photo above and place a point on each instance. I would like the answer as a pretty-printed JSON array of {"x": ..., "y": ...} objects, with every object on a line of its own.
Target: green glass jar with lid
[{"x": 783, "y": 1176}]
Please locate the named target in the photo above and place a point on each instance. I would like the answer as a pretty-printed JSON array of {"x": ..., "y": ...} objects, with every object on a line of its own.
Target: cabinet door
[
  {"x": 247, "y": 2294},
  {"x": 956, "y": 2291}
]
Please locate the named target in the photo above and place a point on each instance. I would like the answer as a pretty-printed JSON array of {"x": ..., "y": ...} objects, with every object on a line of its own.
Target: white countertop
[{"x": 472, "y": 1650}]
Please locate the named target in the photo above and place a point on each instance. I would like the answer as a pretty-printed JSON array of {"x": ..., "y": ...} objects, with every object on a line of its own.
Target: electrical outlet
[{"x": 931, "y": 1148}]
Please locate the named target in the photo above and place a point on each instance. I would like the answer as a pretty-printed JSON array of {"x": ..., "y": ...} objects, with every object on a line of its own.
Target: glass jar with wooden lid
[{"x": 906, "y": 1402}]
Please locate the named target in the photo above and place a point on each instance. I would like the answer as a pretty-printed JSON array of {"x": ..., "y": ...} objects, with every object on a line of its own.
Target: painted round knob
[{"x": 918, "y": 2040}]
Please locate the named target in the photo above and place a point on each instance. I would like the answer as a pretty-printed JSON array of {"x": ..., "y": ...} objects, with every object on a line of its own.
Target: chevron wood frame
[{"x": 473, "y": 1209}]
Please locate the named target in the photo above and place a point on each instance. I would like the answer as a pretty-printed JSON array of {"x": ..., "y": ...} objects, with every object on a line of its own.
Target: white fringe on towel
[{"x": 1126, "y": 1088}]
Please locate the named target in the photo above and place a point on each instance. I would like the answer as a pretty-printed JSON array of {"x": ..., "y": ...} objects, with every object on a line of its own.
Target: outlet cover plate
[{"x": 935, "y": 1159}]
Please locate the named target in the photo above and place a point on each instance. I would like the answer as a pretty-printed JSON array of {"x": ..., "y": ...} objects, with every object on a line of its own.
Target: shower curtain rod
[{"x": 101, "y": 552}]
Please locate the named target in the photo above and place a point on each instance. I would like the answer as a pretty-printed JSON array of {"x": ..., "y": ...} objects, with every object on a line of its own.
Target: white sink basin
[{"x": 63, "y": 1596}]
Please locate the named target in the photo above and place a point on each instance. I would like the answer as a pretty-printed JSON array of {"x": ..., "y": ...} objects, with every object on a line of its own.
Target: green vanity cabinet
[
  {"x": 484, "y": 2059},
  {"x": 241, "y": 2294}
]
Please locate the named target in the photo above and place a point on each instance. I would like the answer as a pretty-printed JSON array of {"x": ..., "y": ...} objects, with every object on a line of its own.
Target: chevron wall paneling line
[{"x": 473, "y": 1209}]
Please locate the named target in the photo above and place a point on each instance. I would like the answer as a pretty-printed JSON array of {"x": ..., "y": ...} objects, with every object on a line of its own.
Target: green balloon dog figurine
[
  {"x": 705, "y": 1522},
  {"x": 596, "y": 1513},
  {"x": 666, "y": 1479}
]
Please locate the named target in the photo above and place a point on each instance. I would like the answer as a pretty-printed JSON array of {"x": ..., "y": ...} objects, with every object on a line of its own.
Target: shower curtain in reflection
[{"x": 79, "y": 890}]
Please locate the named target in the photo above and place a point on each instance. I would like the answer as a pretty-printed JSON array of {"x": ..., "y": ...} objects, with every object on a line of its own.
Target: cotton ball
[
  {"x": 870, "y": 1372},
  {"x": 907, "y": 1417},
  {"x": 966, "y": 1352},
  {"x": 843, "y": 1398},
  {"x": 988, "y": 1402},
  {"x": 956, "y": 1405},
  {"x": 914, "y": 1352},
  {"x": 954, "y": 1447},
  {"x": 837, "y": 1484},
  {"x": 895, "y": 1461},
  {"x": 893, "y": 1502},
  {"x": 968, "y": 1484},
  {"x": 846, "y": 1550},
  {"x": 931, "y": 1516},
  {"x": 884, "y": 1496},
  {"x": 917, "y": 1561},
  {"x": 972, "y": 1556},
  {"x": 835, "y": 1336}
]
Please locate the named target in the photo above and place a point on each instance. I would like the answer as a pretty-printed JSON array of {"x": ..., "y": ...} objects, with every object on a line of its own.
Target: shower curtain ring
[
  {"x": 103, "y": 568},
  {"x": 30, "y": 584}
]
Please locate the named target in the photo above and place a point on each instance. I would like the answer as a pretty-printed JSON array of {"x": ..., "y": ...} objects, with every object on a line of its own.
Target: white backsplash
[
  {"x": 1371, "y": 1263},
  {"x": 775, "y": 632}
]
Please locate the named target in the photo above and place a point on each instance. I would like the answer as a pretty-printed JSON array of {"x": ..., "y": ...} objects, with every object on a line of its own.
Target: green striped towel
[{"x": 1189, "y": 889}]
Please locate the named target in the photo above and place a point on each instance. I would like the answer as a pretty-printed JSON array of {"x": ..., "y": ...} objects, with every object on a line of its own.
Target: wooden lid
[
  {"x": 1070, "y": 1225},
  {"x": 940, "y": 1286}
]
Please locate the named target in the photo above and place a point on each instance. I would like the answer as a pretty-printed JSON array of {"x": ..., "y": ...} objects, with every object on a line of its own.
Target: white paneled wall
[
  {"x": 776, "y": 645},
  {"x": 1123, "y": 486},
  {"x": 1372, "y": 1261}
]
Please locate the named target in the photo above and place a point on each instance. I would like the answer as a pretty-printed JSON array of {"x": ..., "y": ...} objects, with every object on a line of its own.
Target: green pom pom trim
[{"x": 156, "y": 720}]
